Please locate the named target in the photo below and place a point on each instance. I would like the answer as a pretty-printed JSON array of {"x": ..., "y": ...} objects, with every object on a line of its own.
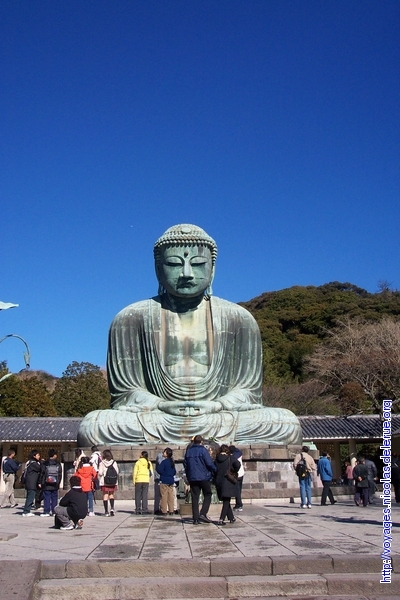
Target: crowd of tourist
[
  {"x": 203, "y": 466},
  {"x": 363, "y": 475}
]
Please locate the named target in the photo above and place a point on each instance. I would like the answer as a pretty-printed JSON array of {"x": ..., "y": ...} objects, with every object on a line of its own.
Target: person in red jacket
[{"x": 88, "y": 476}]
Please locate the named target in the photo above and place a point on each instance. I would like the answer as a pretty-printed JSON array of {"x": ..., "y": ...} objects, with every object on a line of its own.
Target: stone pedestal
[{"x": 268, "y": 468}]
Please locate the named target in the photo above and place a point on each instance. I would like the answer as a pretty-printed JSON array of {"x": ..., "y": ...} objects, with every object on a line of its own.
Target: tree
[
  {"x": 37, "y": 399},
  {"x": 384, "y": 286},
  {"x": 306, "y": 398},
  {"x": 24, "y": 397},
  {"x": 11, "y": 394},
  {"x": 352, "y": 399},
  {"x": 3, "y": 368},
  {"x": 363, "y": 353},
  {"x": 294, "y": 321},
  {"x": 81, "y": 389}
]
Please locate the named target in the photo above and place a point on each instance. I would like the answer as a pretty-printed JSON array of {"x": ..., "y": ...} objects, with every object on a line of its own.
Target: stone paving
[{"x": 260, "y": 530}]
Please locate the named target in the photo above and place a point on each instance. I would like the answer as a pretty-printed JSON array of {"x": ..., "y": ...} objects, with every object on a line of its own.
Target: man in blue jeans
[
  {"x": 305, "y": 480},
  {"x": 325, "y": 472},
  {"x": 51, "y": 479},
  {"x": 199, "y": 468}
]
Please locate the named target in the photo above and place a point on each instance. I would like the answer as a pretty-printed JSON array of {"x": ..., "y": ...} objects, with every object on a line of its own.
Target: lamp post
[
  {"x": 5, "y": 305},
  {"x": 27, "y": 354}
]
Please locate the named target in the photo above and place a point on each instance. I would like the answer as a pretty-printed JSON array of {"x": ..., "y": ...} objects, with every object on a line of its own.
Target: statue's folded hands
[{"x": 189, "y": 408}]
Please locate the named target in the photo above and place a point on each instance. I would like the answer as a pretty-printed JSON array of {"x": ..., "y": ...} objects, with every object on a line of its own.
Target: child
[
  {"x": 142, "y": 472},
  {"x": 72, "y": 509},
  {"x": 88, "y": 476}
]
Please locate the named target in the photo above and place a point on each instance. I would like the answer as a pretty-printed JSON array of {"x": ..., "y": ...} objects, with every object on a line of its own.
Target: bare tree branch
[{"x": 367, "y": 353}]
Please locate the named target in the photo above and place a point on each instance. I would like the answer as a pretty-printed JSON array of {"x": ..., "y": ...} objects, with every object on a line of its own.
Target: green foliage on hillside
[
  {"x": 81, "y": 389},
  {"x": 294, "y": 320},
  {"x": 24, "y": 395}
]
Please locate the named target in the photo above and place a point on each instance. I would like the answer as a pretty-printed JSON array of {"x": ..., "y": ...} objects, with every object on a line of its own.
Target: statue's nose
[{"x": 187, "y": 270}]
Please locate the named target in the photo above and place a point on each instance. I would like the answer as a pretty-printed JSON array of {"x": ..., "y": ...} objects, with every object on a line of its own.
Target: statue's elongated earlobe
[{"x": 208, "y": 293}]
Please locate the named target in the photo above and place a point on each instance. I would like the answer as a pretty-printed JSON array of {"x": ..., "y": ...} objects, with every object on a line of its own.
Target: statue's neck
[{"x": 181, "y": 305}]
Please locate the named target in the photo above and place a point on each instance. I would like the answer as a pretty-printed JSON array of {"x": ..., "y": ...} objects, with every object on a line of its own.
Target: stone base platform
[{"x": 268, "y": 468}]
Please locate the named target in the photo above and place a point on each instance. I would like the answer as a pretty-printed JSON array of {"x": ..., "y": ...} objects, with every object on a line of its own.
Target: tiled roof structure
[
  {"x": 65, "y": 429},
  {"x": 39, "y": 429},
  {"x": 355, "y": 426}
]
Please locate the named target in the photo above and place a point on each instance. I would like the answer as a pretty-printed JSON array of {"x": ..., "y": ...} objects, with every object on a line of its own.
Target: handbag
[{"x": 231, "y": 475}]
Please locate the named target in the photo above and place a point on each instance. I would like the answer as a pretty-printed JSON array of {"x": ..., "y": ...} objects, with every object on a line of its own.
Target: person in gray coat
[
  {"x": 225, "y": 488},
  {"x": 372, "y": 477}
]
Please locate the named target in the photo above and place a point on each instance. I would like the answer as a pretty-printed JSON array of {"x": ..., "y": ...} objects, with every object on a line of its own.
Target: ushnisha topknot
[{"x": 182, "y": 235}]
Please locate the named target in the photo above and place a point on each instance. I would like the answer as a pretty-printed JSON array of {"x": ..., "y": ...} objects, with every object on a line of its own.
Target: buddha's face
[{"x": 185, "y": 271}]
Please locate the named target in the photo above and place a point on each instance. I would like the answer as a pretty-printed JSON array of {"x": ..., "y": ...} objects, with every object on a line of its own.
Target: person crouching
[{"x": 72, "y": 509}]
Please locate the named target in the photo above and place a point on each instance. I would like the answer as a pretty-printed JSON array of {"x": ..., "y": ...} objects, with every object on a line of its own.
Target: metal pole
[{"x": 27, "y": 354}]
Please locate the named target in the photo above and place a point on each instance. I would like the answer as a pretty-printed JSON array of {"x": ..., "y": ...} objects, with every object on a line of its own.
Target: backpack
[
  {"x": 301, "y": 468},
  {"x": 111, "y": 476},
  {"x": 24, "y": 472},
  {"x": 51, "y": 474},
  {"x": 23, "y": 477}
]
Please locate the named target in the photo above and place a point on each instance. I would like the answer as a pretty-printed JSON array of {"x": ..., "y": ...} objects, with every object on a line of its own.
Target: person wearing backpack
[
  {"x": 51, "y": 479},
  {"x": 304, "y": 466},
  {"x": 108, "y": 480}
]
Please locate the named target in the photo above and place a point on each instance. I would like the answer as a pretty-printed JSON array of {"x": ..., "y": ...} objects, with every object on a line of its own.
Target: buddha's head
[{"x": 185, "y": 261}]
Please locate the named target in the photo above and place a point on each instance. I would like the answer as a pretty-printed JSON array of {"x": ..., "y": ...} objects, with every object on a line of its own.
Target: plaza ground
[{"x": 284, "y": 540}]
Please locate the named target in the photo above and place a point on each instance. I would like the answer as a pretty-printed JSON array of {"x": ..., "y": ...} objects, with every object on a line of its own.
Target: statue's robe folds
[{"x": 138, "y": 381}]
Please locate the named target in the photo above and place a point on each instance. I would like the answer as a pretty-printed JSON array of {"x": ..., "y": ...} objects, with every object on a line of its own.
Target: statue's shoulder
[
  {"x": 136, "y": 311},
  {"x": 232, "y": 309}
]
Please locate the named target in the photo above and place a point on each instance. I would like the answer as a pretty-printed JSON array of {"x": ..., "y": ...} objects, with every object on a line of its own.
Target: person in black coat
[
  {"x": 360, "y": 474},
  {"x": 225, "y": 488},
  {"x": 33, "y": 478},
  {"x": 71, "y": 511}
]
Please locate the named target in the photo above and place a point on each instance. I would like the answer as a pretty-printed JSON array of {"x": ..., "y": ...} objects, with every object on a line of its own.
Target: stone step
[
  {"x": 221, "y": 567},
  {"x": 360, "y": 585}
]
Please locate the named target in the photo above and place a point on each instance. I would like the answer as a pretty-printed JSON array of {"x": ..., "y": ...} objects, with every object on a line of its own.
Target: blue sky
[{"x": 274, "y": 125}]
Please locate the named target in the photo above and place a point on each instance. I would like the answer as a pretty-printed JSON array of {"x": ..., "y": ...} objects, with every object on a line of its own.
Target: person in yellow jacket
[{"x": 142, "y": 472}]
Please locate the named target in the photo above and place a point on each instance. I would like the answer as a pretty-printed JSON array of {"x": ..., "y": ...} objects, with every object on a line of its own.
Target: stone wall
[{"x": 269, "y": 469}]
